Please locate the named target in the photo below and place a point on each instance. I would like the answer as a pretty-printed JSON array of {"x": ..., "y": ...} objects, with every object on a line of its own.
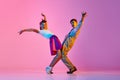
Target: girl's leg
[
  {"x": 54, "y": 61},
  {"x": 56, "y": 58}
]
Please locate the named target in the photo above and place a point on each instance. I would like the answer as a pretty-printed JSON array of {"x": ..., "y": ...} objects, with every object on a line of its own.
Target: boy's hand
[{"x": 84, "y": 14}]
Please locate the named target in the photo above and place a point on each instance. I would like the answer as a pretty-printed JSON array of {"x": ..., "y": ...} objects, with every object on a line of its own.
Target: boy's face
[{"x": 74, "y": 24}]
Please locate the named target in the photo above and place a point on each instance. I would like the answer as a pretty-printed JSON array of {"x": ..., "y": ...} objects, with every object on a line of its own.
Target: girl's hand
[{"x": 20, "y": 32}]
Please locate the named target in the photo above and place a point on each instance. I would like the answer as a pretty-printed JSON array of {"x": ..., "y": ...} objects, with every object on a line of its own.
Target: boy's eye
[{"x": 72, "y": 22}]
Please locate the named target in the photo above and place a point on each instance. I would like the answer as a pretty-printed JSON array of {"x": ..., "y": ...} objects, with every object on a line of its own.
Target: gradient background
[{"x": 97, "y": 46}]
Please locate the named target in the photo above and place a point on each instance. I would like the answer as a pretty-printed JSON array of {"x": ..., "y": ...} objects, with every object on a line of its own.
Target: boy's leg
[
  {"x": 65, "y": 49},
  {"x": 68, "y": 63}
]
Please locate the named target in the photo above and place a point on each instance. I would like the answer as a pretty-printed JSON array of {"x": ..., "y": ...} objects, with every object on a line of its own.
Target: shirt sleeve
[{"x": 45, "y": 33}]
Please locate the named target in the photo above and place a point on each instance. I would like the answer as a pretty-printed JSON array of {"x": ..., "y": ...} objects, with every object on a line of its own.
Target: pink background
[{"x": 96, "y": 48}]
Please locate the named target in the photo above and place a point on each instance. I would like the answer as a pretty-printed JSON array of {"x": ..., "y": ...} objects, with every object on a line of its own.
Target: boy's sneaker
[{"x": 72, "y": 70}]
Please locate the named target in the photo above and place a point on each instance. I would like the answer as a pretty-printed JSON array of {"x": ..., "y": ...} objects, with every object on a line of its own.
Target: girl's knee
[{"x": 59, "y": 55}]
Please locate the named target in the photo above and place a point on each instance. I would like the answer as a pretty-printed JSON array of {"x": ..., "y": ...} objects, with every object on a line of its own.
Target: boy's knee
[{"x": 63, "y": 57}]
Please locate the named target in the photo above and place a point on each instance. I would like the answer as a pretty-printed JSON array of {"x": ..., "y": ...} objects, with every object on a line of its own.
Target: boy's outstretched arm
[
  {"x": 84, "y": 14},
  {"x": 28, "y": 30},
  {"x": 73, "y": 32}
]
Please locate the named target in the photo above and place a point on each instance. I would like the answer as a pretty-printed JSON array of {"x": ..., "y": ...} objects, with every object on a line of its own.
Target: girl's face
[{"x": 42, "y": 26}]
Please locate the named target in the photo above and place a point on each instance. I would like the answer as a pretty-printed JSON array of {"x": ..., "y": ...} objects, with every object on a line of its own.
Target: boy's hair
[{"x": 73, "y": 20}]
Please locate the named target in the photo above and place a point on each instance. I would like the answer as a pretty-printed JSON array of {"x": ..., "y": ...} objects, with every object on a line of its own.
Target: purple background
[{"x": 96, "y": 48}]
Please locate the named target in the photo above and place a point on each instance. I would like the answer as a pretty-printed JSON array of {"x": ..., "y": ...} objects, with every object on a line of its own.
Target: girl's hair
[{"x": 43, "y": 21}]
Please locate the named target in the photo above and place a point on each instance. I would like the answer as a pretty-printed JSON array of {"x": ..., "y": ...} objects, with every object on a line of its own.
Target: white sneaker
[{"x": 49, "y": 70}]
